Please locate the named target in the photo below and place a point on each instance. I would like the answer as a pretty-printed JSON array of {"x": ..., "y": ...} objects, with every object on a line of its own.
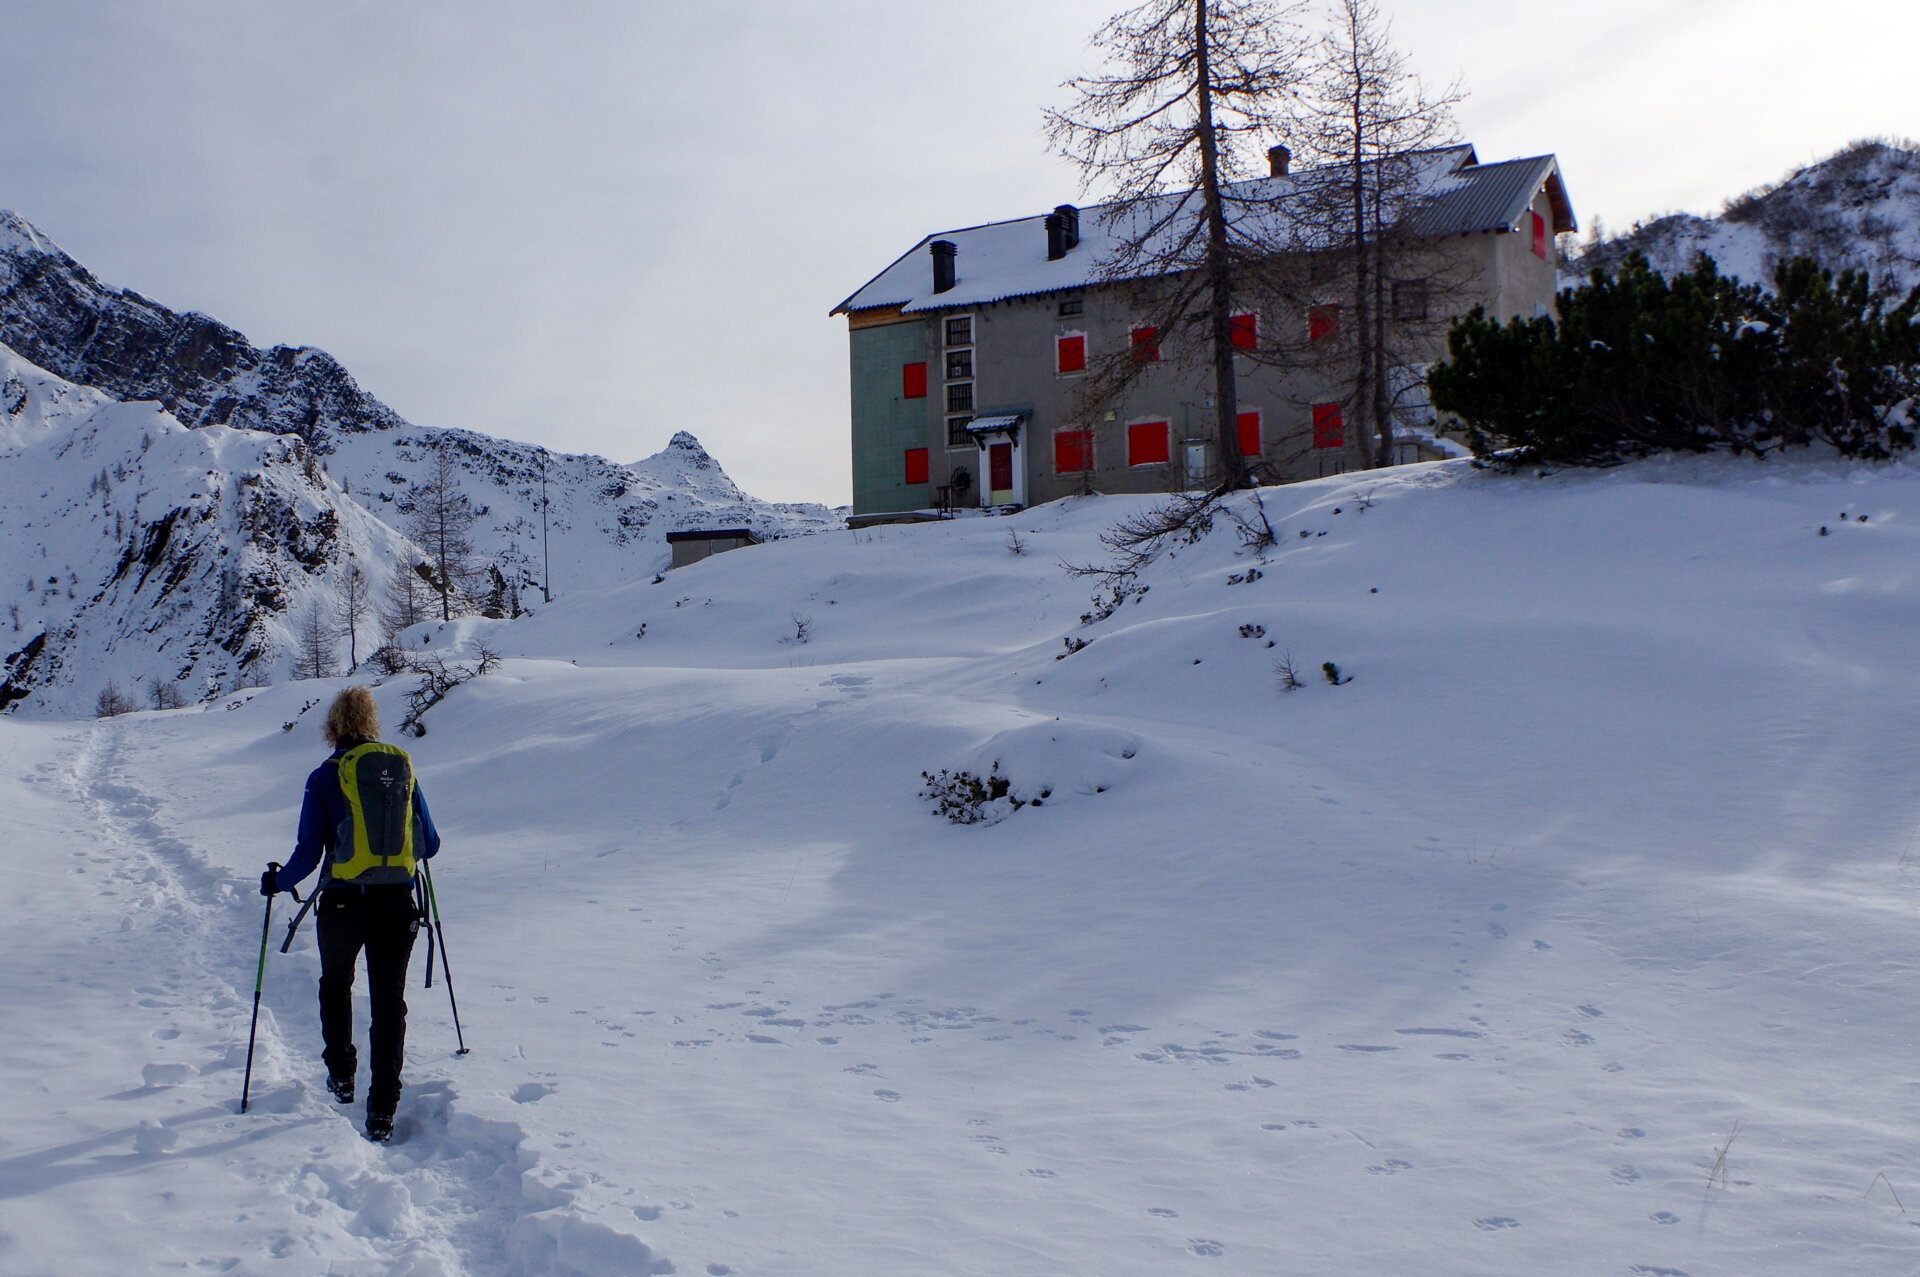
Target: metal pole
[
  {"x": 546, "y": 560},
  {"x": 259, "y": 978}
]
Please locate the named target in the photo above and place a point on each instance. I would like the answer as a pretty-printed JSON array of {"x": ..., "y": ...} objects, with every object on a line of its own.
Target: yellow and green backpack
[{"x": 375, "y": 842}]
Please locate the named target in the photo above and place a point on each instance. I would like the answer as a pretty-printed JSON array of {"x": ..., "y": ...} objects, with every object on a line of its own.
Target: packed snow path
[{"x": 1576, "y": 934}]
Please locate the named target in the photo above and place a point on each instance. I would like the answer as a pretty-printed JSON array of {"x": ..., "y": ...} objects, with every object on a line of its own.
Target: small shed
[{"x": 693, "y": 545}]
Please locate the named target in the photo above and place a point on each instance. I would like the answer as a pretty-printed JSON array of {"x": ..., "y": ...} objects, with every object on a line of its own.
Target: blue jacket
[{"x": 322, "y": 812}]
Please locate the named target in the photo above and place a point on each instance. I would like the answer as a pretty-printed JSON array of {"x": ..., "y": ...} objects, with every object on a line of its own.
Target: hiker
[{"x": 365, "y": 824}]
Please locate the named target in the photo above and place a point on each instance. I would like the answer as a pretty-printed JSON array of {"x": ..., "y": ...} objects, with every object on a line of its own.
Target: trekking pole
[
  {"x": 433, "y": 903},
  {"x": 420, "y": 907},
  {"x": 259, "y": 978},
  {"x": 295, "y": 924}
]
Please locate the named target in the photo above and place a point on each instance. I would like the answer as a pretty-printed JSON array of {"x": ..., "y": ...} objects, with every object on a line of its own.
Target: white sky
[{"x": 590, "y": 223}]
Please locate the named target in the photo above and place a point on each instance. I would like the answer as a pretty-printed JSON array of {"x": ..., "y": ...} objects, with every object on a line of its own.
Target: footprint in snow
[
  {"x": 1625, "y": 1175},
  {"x": 1494, "y": 1223},
  {"x": 887, "y": 1097},
  {"x": 1392, "y": 1166},
  {"x": 1205, "y": 1246},
  {"x": 1163, "y": 1212},
  {"x": 532, "y": 1092}
]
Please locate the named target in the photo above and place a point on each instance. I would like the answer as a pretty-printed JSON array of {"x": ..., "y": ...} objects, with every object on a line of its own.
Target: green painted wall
[{"x": 884, "y": 424}]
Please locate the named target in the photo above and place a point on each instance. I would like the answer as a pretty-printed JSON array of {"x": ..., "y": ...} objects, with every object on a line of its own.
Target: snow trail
[{"x": 161, "y": 927}]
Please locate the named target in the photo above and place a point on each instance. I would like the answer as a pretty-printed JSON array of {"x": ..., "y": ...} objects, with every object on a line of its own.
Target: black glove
[{"x": 270, "y": 880}]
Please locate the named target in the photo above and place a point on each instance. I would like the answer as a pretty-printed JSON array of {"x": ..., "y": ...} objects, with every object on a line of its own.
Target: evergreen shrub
[{"x": 1637, "y": 363}]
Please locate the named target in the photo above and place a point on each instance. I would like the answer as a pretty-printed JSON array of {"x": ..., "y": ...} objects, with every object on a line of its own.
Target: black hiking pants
[{"x": 382, "y": 920}]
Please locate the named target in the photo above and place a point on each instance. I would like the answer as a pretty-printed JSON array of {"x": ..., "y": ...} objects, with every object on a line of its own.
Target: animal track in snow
[{"x": 1494, "y": 1223}]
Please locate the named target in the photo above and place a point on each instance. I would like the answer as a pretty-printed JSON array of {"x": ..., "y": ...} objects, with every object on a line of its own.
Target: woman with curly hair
[{"x": 365, "y": 825}]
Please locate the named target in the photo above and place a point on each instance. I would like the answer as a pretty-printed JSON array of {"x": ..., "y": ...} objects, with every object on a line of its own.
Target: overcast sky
[{"x": 590, "y": 223}]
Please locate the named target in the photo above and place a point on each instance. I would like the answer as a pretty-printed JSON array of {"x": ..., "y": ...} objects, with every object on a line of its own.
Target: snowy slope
[
  {"x": 1599, "y": 868},
  {"x": 607, "y": 521},
  {"x": 1858, "y": 209},
  {"x": 133, "y": 549}
]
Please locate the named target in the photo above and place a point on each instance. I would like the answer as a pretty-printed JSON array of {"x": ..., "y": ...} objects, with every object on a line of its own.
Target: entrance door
[{"x": 1000, "y": 471}]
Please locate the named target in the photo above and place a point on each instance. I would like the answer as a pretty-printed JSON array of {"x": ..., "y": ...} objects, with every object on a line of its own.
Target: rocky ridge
[
  {"x": 1857, "y": 209},
  {"x": 323, "y": 457}
]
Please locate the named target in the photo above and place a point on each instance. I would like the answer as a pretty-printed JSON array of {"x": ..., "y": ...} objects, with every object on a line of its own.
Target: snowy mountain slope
[
  {"x": 1859, "y": 209},
  {"x": 134, "y": 550},
  {"x": 1574, "y": 934},
  {"x": 607, "y": 521}
]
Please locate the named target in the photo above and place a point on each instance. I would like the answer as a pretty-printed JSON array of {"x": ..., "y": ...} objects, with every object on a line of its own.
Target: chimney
[
  {"x": 943, "y": 251},
  {"x": 1056, "y": 238},
  {"x": 1069, "y": 225},
  {"x": 1278, "y": 157}
]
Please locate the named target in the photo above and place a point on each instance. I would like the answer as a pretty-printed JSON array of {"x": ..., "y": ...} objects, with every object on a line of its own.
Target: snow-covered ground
[{"x": 1575, "y": 934}]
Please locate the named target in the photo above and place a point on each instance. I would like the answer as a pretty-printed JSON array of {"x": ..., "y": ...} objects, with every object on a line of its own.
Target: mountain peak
[{"x": 18, "y": 235}]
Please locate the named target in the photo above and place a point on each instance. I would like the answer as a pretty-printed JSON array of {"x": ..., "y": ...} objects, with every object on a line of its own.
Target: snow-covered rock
[
  {"x": 320, "y": 455},
  {"x": 1859, "y": 208},
  {"x": 135, "y": 550}
]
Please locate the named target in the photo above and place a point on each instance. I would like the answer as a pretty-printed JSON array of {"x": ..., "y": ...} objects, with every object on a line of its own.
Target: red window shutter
[
  {"x": 1539, "y": 235},
  {"x": 1071, "y": 353},
  {"x": 1249, "y": 424},
  {"x": 1072, "y": 451},
  {"x": 916, "y": 465},
  {"x": 1244, "y": 330},
  {"x": 1146, "y": 345},
  {"x": 1328, "y": 431},
  {"x": 913, "y": 381},
  {"x": 1147, "y": 443},
  {"x": 1322, "y": 322}
]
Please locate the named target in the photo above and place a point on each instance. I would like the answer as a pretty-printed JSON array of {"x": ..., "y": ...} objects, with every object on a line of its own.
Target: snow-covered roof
[{"x": 1009, "y": 259}]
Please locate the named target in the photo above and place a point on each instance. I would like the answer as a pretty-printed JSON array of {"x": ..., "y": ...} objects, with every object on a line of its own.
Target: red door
[{"x": 1000, "y": 467}]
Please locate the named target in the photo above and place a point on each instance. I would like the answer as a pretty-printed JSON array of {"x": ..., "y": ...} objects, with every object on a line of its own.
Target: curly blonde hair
[{"x": 353, "y": 716}]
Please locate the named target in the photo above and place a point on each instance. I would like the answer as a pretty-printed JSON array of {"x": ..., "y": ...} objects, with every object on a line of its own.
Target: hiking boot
[
  {"x": 379, "y": 1127},
  {"x": 342, "y": 1089}
]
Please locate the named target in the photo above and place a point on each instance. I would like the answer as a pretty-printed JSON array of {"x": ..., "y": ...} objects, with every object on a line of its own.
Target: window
[
  {"x": 1071, "y": 308},
  {"x": 1249, "y": 428},
  {"x": 1539, "y": 235},
  {"x": 957, "y": 435},
  {"x": 1323, "y": 323},
  {"x": 1328, "y": 430},
  {"x": 1072, "y": 451},
  {"x": 1146, "y": 344},
  {"x": 916, "y": 465},
  {"x": 1147, "y": 443},
  {"x": 913, "y": 381},
  {"x": 960, "y": 331},
  {"x": 960, "y": 397},
  {"x": 959, "y": 364},
  {"x": 1409, "y": 299},
  {"x": 1244, "y": 331},
  {"x": 1070, "y": 353}
]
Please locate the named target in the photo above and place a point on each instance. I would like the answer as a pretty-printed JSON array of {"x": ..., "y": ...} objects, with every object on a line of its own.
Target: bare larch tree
[
  {"x": 1369, "y": 128},
  {"x": 441, "y": 523},
  {"x": 1167, "y": 128},
  {"x": 350, "y": 609}
]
